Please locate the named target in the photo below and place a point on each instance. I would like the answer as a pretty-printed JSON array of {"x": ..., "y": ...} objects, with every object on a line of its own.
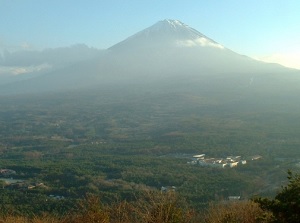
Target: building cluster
[
  {"x": 23, "y": 185},
  {"x": 7, "y": 172},
  {"x": 168, "y": 189},
  {"x": 56, "y": 197},
  {"x": 230, "y": 161}
]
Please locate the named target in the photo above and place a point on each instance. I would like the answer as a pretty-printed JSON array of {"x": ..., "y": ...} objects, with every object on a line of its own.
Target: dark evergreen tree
[{"x": 285, "y": 207}]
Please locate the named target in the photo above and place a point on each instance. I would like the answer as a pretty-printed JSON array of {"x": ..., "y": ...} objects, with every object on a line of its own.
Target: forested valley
[{"x": 119, "y": 145}]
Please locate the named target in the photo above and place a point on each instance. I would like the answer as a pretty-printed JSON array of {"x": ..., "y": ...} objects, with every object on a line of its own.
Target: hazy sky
[{"x": 268, "y": 29}]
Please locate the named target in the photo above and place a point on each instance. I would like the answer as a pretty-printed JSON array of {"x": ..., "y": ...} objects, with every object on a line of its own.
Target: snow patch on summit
[
  {"x": 201, "y": 41},
  {"x": 175, "y": 23}
]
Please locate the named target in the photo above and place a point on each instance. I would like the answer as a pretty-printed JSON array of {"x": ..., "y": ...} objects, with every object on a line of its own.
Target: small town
[{"x": 229, "y": 161}]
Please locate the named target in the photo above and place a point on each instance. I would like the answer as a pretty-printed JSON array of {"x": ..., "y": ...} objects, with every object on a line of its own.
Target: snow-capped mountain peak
[
  {"x": 171, "y": 23},
  {"x": 168, "y": 32}
]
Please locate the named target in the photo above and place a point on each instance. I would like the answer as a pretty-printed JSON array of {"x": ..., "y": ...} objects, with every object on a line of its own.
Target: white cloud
[
  {"x": 288, "y": 59},
  {"x": 18, "y": 70},
  {"x": 204, "y": 42},
  {"x": 25, "y": 46}
]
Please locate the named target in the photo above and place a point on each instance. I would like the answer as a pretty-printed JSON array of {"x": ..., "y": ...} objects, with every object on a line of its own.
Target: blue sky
[{"x": 264, "y": 29}]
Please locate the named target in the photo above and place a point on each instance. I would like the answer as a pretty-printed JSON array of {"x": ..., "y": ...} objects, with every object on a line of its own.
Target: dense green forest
[{"x": 120, "y": 143}]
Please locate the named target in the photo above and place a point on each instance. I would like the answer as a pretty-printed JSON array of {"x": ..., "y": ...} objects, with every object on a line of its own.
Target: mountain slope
[
  {"x": 168, "y": 50},
  {"x": 171, "y": 45}
]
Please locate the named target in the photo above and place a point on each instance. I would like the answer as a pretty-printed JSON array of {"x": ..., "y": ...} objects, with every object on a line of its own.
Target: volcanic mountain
[
  {"x": 168, "y": 51},
  {"x": 171, "y": 33},
  {"x": 171, "y": 47}
]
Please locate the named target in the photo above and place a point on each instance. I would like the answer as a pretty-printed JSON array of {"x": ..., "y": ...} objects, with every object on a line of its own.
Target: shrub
[
  {"x": 233, "y": 212},
  {"x": 156, "y": 207},
  {"x": 90, "y": 210}
]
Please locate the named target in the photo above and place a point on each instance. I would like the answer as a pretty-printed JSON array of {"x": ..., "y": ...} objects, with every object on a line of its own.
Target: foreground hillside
[
  {"x": 156, "y": 208},
  {"x": 168, "y": 207}
]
